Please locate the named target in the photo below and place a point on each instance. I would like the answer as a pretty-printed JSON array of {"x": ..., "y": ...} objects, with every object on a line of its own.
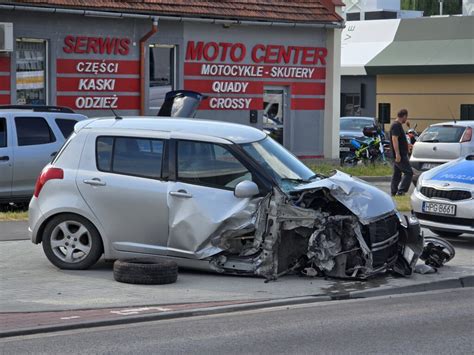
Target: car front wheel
[{"x": 72, "y": 242}]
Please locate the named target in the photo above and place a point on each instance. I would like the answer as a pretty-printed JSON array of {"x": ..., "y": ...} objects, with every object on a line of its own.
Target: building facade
[{"x": 279, "y": 73}]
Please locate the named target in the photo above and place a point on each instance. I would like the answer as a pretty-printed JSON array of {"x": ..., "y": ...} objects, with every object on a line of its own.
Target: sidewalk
[{"x": 36, "y": 296}]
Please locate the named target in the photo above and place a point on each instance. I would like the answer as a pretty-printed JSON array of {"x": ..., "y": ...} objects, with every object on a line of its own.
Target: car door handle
[
  {"x": 94, "y": 182},
  {"x": 53, "y": 154},
  {"x": 181, "y": 193},
  {"x": 5, "y": 158}
]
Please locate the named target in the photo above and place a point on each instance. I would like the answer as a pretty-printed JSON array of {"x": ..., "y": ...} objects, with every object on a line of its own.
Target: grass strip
[
  {"x": 14, "y": 216},
  {"x": 359, "y": 170}
]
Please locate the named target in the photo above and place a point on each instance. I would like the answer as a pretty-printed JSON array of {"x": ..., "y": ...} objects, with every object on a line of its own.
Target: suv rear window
[
  {"x": 442, "y": 134},
  {"x": 33, "y": 131},
  {"x": 3, "y": 132},
  {"x": 66, "y": 126}
]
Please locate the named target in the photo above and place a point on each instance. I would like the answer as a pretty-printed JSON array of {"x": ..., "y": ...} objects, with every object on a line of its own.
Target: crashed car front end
[{"x": 336, "y": 226}]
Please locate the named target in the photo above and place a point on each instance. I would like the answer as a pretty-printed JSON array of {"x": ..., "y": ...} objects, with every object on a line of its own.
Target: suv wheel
[{"x": 72, "y": 242}]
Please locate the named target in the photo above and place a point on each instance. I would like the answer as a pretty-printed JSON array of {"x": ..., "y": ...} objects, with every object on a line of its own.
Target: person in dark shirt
[{"x": 399, "y": 143}]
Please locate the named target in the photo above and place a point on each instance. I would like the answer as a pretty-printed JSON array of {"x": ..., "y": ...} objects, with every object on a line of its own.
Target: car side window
[
  {"x": 66, "y": 126},
  {"x": 130, "y": 156},
  {"x": 3, "y": 132},
  {"x": 210, "y": 165},
  {"x": 33, "y": 131}
]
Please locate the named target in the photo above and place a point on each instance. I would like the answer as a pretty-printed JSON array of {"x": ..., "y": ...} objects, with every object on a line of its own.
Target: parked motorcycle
[{"x": 371, "y": 149}]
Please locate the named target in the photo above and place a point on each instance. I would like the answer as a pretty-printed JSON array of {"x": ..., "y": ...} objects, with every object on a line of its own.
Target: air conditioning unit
[{"x": 6, "y": 37}]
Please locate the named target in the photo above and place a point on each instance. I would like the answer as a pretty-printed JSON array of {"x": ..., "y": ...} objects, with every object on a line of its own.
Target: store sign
[
  {"x": 210, "y": 66},
  {"x": 98, "y": 84},
  {"x": 5, "y": 80}
]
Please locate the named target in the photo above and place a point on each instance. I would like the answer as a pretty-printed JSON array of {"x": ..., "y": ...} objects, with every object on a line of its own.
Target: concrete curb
[{"x": 467, "y": 281}]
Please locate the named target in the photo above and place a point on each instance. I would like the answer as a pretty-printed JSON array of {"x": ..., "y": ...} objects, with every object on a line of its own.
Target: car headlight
[{"x": 419, "y": 183}]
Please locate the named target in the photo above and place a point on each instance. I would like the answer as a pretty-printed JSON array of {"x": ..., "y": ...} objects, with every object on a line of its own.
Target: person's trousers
[{"x": 401, "y": 184}]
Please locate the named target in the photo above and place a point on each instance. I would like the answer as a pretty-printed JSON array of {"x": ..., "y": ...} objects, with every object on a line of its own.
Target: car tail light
[
  {"x": 48, "y": 173},
  {"x": 466, "y": 137}
]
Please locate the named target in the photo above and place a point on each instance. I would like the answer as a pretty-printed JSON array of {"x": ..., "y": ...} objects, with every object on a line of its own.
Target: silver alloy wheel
[{"x": 71, "y": 241}]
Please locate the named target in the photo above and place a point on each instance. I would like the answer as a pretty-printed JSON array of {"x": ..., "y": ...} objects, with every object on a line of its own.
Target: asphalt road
[{"x": 440, "y": 322}]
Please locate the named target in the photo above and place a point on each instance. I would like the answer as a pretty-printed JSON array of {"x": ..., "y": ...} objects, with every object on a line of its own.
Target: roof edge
[
  {"x": 148, "y": 15},
  {"x": 421, "y": 69}
]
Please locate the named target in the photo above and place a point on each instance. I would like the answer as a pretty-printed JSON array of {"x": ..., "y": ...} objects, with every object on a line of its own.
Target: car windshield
[
  {"x": 442, "y": 134},
  {"x": 283, "y": 166},
  {"x": 355, "y": 124}
]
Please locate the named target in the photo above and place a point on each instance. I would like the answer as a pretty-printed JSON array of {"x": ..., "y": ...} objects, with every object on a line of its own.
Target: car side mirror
[{"x": 246, "y": 189}]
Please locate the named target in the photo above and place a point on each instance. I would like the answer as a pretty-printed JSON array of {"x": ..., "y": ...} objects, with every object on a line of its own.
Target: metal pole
[{"x": 440, "y": 7}]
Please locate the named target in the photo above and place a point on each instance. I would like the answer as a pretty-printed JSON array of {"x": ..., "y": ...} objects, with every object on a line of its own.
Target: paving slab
[{"x": 35, "y": 296}]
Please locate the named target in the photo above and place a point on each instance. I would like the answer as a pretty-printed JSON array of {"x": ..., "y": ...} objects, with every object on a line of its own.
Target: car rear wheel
[
  {"x": 445, "y": 234},
  {"x": 72, "y": 242}
]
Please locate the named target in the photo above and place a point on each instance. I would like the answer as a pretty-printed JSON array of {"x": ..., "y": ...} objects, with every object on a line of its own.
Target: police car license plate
[{"x": 439, "y": 208}]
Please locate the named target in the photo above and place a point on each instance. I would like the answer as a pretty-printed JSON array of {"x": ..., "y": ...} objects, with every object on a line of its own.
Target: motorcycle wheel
[{"x": 350, "y": 160}]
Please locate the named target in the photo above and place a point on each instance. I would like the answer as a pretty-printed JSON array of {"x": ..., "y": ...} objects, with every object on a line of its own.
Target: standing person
[{"x": 401, "y": 165}]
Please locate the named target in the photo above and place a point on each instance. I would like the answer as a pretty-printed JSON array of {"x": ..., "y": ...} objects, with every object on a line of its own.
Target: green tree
[{"x": 431, "y": 7}]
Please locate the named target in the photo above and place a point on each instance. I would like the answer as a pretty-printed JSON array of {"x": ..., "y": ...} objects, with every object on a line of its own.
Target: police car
[{"x": 443, "y": 199}]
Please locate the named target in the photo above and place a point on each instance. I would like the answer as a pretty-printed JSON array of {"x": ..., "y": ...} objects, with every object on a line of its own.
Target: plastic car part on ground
[
  {"x": 437, "y": 251},
  {"x": 146, "y": 271}
]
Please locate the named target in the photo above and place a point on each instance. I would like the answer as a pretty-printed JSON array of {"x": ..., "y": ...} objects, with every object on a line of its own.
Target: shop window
[
  {"x": 162, "y": 71},
  {"x": 467, "y": 112},
  {"x": 350, "y": 105},
  {"x": 30, "y": 72}
]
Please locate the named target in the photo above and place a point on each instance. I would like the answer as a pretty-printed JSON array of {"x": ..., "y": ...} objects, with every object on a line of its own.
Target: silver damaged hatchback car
[{"x": 214, "y": 196}]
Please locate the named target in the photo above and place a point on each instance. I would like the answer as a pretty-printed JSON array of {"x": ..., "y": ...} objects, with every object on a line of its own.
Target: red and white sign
[
  {"x": 218, "y": 70},
  {"x": 5, "y": 87},
  {"x": 96, "y": 81}
]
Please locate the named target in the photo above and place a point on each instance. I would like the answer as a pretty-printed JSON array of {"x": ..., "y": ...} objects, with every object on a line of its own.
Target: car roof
[
  {"x": 232, "y": 132},
  {"x": 455, "y": 123}
]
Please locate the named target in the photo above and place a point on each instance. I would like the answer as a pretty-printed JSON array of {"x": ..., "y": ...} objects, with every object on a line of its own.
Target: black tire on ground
[
  {"x": 445, "y": 234},
  {"x": 89, "y": 238},
  {"x": 146, "y": 271}
]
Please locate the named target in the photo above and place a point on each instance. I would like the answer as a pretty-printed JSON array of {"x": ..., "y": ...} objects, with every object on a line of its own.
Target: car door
[
  {"x": 6, "y": 159},
  {"x": 122, "y": 181},
  {"x": 36, "y": 145},
  {"x": 201, "y": 200}
]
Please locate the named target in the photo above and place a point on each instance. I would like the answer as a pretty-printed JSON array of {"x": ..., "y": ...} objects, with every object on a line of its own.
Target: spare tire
[{"x": 146, "y": 271}]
